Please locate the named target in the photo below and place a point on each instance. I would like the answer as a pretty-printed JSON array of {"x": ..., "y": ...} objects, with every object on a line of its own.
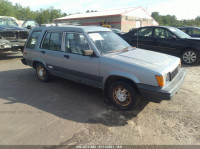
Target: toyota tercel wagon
[{"x": 98, "y": 57}]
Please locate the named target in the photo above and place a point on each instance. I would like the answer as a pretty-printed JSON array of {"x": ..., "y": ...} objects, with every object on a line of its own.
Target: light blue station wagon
[{"x": 98, "y": 57}]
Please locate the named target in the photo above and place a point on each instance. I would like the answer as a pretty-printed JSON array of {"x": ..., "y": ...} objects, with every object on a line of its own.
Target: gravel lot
[{"x": 67, "y": 113}]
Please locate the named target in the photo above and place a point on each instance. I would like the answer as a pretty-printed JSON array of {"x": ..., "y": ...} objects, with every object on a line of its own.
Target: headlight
[{"x": 167, "y": 77}]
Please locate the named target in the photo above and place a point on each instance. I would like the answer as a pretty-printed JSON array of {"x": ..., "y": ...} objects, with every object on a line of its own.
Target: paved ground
[{"x": 64, "y": 112}]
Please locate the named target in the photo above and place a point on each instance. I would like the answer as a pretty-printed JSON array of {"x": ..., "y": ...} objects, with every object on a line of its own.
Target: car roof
[
  {"x": 193, "y": 27},
  {"x": 158, "y": 27},
  {"x": 114, "y": 29},
  {"x": 167, "y": 27},
  {"x": 72, "y": 28}
]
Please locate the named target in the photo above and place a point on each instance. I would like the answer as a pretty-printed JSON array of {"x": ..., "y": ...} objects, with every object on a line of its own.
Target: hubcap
[
  {"x": 41, "y": 72},
  {"x": 121, "y": 96},
  {"x": 189, "y": 57}
]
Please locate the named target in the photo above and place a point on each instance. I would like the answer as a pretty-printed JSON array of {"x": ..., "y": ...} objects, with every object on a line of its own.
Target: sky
[{"x": 182, "y": 9}]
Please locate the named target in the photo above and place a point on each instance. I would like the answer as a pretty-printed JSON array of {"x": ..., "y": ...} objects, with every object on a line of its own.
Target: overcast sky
[{"x": 182, "y": 9}]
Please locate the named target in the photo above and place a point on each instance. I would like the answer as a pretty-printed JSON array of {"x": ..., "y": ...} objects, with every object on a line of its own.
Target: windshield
[
  {"x": 7, "y": 21},
  {"x": 179, "y": 33},
  {"x": 108, "y": 42}
]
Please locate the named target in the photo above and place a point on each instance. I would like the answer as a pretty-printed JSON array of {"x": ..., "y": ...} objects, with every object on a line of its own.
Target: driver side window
[
  {"x": 162, "y": 33},
  {"x": 75, "y": 43}
]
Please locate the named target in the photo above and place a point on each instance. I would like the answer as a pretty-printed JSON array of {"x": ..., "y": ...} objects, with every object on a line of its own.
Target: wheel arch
[
  {"x": 36, "y": 61},
  {"x": 114, "y": 77},
  {"x": 186, "y": 48}
]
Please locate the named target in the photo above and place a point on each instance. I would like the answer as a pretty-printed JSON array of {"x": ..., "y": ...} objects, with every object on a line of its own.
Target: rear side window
[
  {"x": 145, "y": 32},
  {"x": 52, "y": 41},
  {"x": 33, "y": 39}
]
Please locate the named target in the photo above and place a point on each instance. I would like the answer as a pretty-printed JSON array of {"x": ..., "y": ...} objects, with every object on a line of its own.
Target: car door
[
  {"x": 165, "y": 41},
  {"x": 30, "y": 51},
  {"x": 80, "y": 68},
  {"x": 51, "y": 52},
  {"x": 143, "y": 38}
]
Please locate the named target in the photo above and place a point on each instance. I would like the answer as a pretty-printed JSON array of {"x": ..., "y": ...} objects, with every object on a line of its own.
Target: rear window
[{"x": 33, "y": 40}]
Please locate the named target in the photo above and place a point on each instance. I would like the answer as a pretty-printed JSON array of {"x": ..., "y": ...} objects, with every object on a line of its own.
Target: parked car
[
  {"x": 11, "y": 35},
  {"x": 98, "y": 57},
  {"x": 167, "y": 40},
  {"x": 29, "y": 24},
  {"x": 192, "y": 31}
]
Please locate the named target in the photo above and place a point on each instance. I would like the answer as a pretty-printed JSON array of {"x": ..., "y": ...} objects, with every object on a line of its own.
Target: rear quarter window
[{"x": 33, "y": 39}]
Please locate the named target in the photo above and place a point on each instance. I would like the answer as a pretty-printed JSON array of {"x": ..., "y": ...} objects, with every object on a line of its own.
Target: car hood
[
  {"x": 11, "y": 28},
  {"x": 194, "y": 39},
  {"x": 155, "y": 61}
]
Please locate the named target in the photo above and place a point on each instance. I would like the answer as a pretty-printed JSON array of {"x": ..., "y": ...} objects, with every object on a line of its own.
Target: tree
[
  {"x": 88, "y": 11},
  {"x": 6, "y": 8},
  {"x": 171, "y": 20}
]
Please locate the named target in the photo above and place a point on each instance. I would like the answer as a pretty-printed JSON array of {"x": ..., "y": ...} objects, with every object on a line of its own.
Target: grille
[
  {"x": 174, "y": 72},
  {"x": 14, "y": 35},
  {"x": 7, "y": 35},
  {"x": 23, "y": 35}
]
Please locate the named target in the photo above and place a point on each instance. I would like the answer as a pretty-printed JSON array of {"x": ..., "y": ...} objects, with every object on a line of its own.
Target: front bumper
[
  {"x": 152, "y": 93},
  {"x": 23, "y": 61},
  {"x": 18, "y": 43},
  {"x": 5, "y": 44}
]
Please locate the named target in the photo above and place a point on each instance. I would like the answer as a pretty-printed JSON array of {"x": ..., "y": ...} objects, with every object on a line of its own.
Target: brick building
[{"x": 123, "y": 19}]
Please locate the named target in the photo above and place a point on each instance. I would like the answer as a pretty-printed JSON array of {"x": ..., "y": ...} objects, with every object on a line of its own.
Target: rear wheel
[
  {"x": 189, "y": 57},
  {"x": 123, "y": 95},
  {"x": 42, "y": 73}
]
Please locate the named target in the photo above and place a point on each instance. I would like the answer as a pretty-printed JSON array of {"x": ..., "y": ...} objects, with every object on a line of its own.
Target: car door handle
[
  {"x": 43, "y": 52},
  {"x": 66, "y": 56}
]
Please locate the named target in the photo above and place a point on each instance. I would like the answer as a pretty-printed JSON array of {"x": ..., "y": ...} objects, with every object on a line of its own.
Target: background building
[{"x": 123, "y": 19}]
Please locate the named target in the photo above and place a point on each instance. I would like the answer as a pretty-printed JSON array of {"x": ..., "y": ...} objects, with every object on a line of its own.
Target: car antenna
[{"x": 137, "y": 39}]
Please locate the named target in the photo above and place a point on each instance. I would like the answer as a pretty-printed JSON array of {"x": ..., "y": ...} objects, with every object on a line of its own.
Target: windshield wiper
[
  {"x": 123, "y": 50},
  {"x": 126, "y": 49}
]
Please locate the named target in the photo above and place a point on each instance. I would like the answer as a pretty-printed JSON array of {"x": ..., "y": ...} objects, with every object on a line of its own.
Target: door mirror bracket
[{"x": 173, "y": 37}]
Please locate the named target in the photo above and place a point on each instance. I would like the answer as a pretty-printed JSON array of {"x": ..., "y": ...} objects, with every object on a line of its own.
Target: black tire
[
  {"x": 42, "y": 73},
  {"x": 123, "y": 95},
  {"x": 189, "y": 57}
]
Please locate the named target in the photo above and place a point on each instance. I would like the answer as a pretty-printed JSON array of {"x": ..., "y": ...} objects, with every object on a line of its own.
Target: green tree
[
  {"x": 171, "y": 20},
  {"x": 6, "y": 8}
]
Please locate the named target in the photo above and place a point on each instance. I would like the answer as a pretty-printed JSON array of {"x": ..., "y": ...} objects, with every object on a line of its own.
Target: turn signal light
[{"x": 160, "y": 80}]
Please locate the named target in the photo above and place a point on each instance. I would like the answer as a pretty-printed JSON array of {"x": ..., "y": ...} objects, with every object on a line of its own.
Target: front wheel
[
  {"x": 123, "y": 95},
  {"x": 189, "y": 57}
]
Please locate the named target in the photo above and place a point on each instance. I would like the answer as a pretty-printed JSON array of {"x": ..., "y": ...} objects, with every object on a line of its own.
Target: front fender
[{"x": 120, "y": 74}]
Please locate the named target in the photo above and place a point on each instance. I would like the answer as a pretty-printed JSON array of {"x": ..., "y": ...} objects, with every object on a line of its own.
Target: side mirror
[
  {"x": 29, "y": 27},
  {"x": 88, "y": 52},
  {"x": 173, "y": 37}
]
